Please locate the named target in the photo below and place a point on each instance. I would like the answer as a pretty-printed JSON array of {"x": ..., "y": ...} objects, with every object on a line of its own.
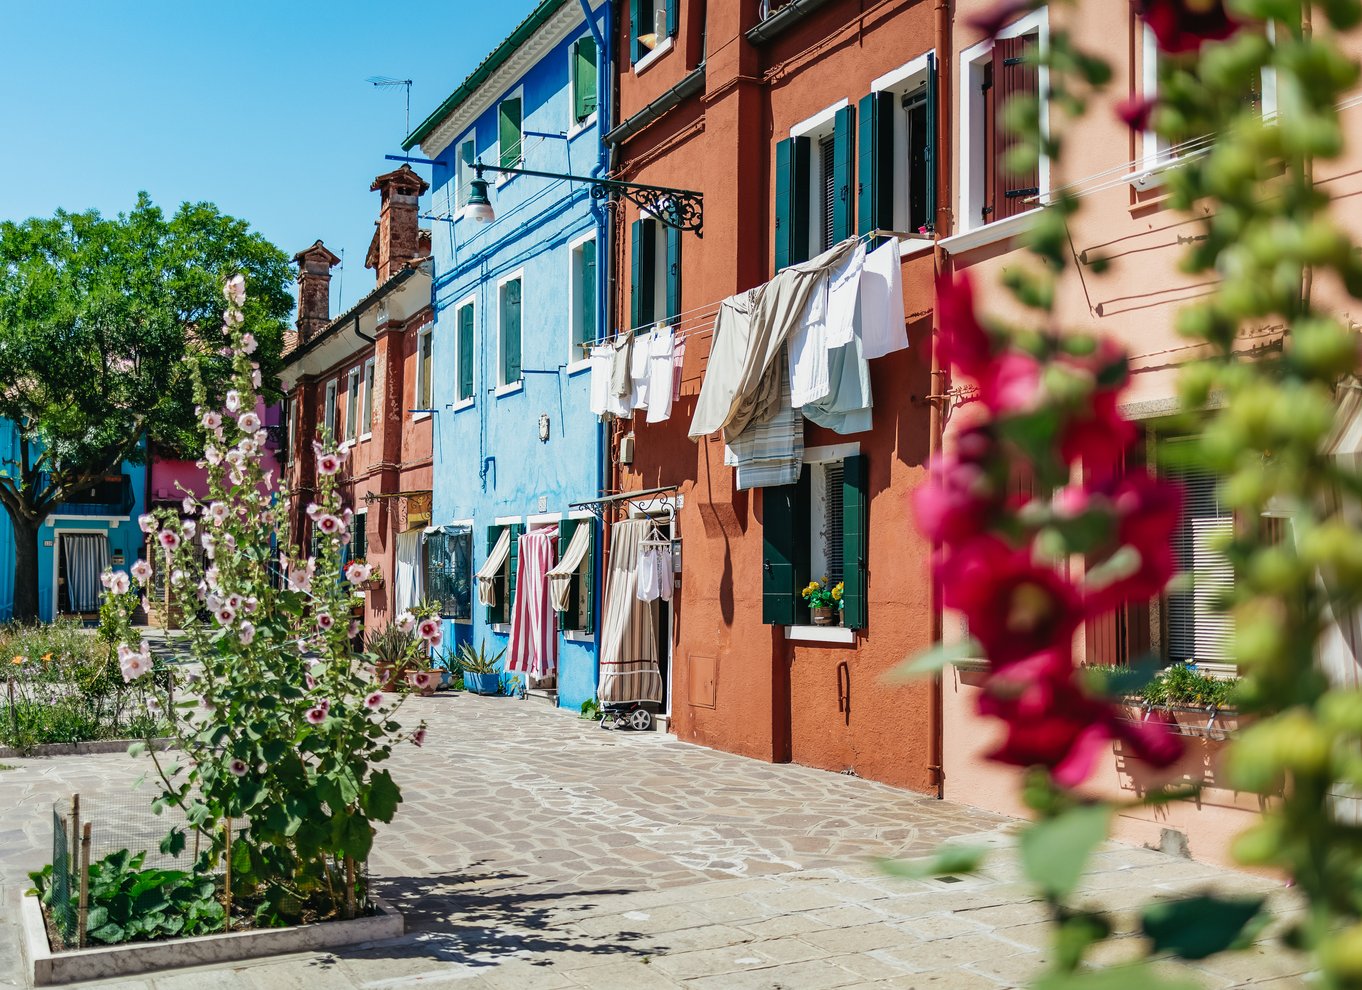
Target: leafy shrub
[{"x": 1183, "y": 684}]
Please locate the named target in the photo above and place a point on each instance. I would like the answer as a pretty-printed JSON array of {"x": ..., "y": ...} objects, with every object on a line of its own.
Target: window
[
  {"x": 423, "y": 369},
  {"x": 992, "y": 74},
  {"x": 508, "y": 331},
  {"x": 352, "y": 405},
  {"x": 292, "y": 430},
  {"x": 652, "y": 25},
  {"x": 464, "y": 351},
  {"x": 464, "y": 169},
  {"x": 1197, "y": 630},
  {"x": 896, "y": 170},
  {"x": 582, "y": 298},
  {"x": 359, "y": 535},
  {"x": 655, "y": 273},
  {"x": 367, "y": 416},
  {"x": 504, "y": 577},
  {"x": 814, "y": 185},
  {"x": 449, "y": 571},
  {"x": 576, "y": 538},
  {"x": 329, "y": 411},
  {"x": 510, "y": 151},
  {"x": 583, "y": 78},
  {"x": 814, "y": 528}
]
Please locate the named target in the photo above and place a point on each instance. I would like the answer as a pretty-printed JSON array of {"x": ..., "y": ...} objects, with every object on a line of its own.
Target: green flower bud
[
  {"x": 1259, "y": 845},
  {"x": 1341, "y": 954},
  {"x": 1258, "y": 639},
  {"x": 1342, "y": 710},
  {"x": 1324, "y": 348}
]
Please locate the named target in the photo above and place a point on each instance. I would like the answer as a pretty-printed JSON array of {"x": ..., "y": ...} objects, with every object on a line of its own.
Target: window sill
[
  {"x": 417, "y": 417},
  {"x": 577, "y": 636},
  {"x": 581, "y": 127},
  {"x": 365, "y": 436},
  {"x": 503, "y": 179},
  {"x": 578, "y": 367},
  {"x": 510, "y": 389},
  {"x": 463, "y": 404},
  {"x": 821, "y": 634},
  {"x": 503, "y": 628},
  {"x": 910, "y": 247},
  {"x": 990, "y": 233},
  {"x": 642, "y": 64}
]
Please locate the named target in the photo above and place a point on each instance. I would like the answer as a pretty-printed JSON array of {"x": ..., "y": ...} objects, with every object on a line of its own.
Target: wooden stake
[
  {"x": 349, "y": 887},
  {"x": 75, "y": 831},
  {"x": 84, "y": 885},
  {"x": 227, "y": 882}
]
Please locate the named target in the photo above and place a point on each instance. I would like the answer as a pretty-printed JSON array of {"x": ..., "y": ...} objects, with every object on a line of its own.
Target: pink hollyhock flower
[
  {"x": 1051, "y": 722},
  {"x": 352, "y": 630},
  {"x": 1182, "y": 26},
  {"x": 1148, "y": 511},
  {"x": 1002, "y": 13},
  {"x": 136, "y": 665},
  {"x": 141, "y": 571},
  {"x": 237, "y": 478},
  {"x": 1134, "y": 112},
  {"x": 211, "y": 420},
  {"x": 106, "y": 578},
  {"x": 225, "y": 616},
  {"x": 1099, "y": 436},
  {"x": 255, "y": 377},
  {"x": 964, "y": 341},
  {"x": 1015, "y": 608},
  {"x": 238, "y": 768},
  {"x": 118, "y": 583},
  {"x": 325, "y": 705},
  {"x": 310, "y": 681},
  {"x": 419, "y": 736},
  {"x": 246, "y": 634},
  {"x": 217, "y": 512},
  {"x": 190, "y": 527},
  {"x": 325, "y": 621},
  {"x": 178, "y": 576},
  {"x": 329, "y": 524},
  {"x": 212, "y": 455},
  {"x": 234, "y": 290},
  {"x": 147, "y": 523},
  {"x": 249, "y": 422},
  {"x": 358, "y": 573},
  {"x": 188, "y": 506},
  {"x": 232, "y": 318},
  {"x": 316, "y": 715},
  {"x": 312, "y": 510},
  {"x": 169, "y": 539},
  {"x": 429, "y": 628},
  {"x": 248, "y": 344},
  {"x": 373, "y": 700},
  {"x": 233, "y": 401},
  {"x": 328, "y": 464},
  {"x": 406, "y": 622},
  {"x": 251, "y": 604}
]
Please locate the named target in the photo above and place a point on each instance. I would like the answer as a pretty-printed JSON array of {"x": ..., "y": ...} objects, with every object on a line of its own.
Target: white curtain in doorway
[
  {"x": 86, "y": 556},
  {"x": 410, "y": 586}
]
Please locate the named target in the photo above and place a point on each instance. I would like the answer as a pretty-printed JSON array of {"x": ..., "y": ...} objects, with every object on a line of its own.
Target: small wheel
[{"x": 640, "y": 720}]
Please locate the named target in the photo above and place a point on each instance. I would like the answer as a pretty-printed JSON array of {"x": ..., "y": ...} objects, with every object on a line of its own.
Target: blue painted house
[
  {"x": 516, "y": 298},
  {"x": 95, "y": 528}
]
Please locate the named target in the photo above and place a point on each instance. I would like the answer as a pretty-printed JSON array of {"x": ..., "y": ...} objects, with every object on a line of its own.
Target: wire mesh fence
[{"x": 62, "y": 909}]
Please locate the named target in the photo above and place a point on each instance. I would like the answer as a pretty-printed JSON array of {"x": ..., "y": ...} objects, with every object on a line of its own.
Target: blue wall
[
  {"x": 489, "y": 462},
  {"x": 124, "y": 534}
]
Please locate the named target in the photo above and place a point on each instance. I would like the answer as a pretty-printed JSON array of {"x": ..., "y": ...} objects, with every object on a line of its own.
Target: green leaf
[
  {"x": 137, "y": 749},
  {"x": 109, "y": 934},
  {"x": 935, "y": 659},
  {"x": 97, "y": 918},
  {"x": 1054, "y": 851},
  {"x": 947, "y": 859},
  {"x": 1138, "y": 977},
  {"x": 381, "y": 797},
  {"x": 173, "y": 844},
  {"x": 1197, "y": 927}
]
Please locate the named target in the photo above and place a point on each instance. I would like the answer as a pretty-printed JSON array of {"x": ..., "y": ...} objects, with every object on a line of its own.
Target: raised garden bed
[
  {"x": 54, "y": 967},
  {"x": 91, "y": 748}
]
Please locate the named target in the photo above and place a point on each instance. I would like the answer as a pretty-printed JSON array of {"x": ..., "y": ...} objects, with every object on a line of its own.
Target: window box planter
[{"x": 1209, "y": 723}]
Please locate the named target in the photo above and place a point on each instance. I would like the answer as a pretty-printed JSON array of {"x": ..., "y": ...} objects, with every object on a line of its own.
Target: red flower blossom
[
  {"x": 1134, "y": 112},
  {"x": 962, "y": 491},
  {"x": 1052, "y": 722},
  {"x": 1098, "y": 435},
  {"x": 1148, "y": 511},
  {"x": 999, "y": 16},
  {"x": 1181, "y": 26},
  {"x": 1015, "y": 608},
  {"x": 964, "y": 342}
]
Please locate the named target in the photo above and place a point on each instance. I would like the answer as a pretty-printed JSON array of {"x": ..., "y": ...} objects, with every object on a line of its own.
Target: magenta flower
[
  {"x": 142, "y": 571},
  {"x": 429, "y": 629},
  {"x": 1182, "y": 26},
  {"x": 373, "y": 700},
  {"x": 169, "y": 539},
  {"x": 238, "y": 768},
  {"x": 1134, "y": 112},
  {"x": 316, "y": 715},
  {"x": 325, "y": 622},
  {"x": 419, "y": 736}
]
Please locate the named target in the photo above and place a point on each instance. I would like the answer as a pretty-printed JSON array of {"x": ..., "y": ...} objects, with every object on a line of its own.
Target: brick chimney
[
  {"x": 397, "y": 240},
  {"x": 314, "y": 290}
]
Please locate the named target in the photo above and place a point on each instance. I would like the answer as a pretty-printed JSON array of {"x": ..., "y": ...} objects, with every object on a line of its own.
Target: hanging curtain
[
  {"x": 533, "y": 648},
  {"x": 491, "y": 568},
  {"x": 629, "y": 638},
  {"x": 410, "y": 583},
  {"x": 87, "y": 555},
  {"x": 565, "y": 571}
]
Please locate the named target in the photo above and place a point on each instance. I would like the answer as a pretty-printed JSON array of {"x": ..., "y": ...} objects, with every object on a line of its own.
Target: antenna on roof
[
  {"x": 387, "y": 82},
  {"x": 340, "y": 284}
]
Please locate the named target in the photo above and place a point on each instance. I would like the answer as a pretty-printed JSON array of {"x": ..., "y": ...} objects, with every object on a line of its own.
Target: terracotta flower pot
[
  {"x": 824, "y": 616},
  {"x": 424, "y": 681}
]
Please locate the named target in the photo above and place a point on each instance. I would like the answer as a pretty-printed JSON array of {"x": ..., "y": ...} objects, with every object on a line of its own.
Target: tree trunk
[{"x": 25, "y": 567}]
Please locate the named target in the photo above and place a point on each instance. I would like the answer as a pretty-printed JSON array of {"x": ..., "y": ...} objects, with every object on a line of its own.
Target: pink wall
[{"x": 169, "y": 477}]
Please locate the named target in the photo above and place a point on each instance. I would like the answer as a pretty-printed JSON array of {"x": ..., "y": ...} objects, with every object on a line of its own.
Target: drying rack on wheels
[{"x": 630, "y": 690}]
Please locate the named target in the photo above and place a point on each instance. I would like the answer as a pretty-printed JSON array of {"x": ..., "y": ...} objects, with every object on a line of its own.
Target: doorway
[
  {"x": 662, "y": 512},
  {"x": 81, "y": 558}
]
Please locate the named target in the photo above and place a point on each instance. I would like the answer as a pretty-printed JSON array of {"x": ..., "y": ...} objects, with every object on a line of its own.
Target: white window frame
[
  {"x": 367, "y": 382},
  {"x": 815, "y": 458},
  {"x": 578, "y": 360},
  {"x": 969, "y": 172},
  {"x": 816, "y": 128},
  {"x": 907, "y": 78},
  {"x": 463, "y": 174},
  {"x": 469, "y": 300},
  {"x": 510, "y": 388},
  {"x": 513, "y": 94},
  {"x": 663, "y": 46},
  {"x": 422, "y": 335},
  {"x": 576, "y": 126},
  {"x": 292, "y": 413},
  {"x": 579, "y": 515},
  {"x": 352, "y": 405},
  {"x": 329, "y": 410}
]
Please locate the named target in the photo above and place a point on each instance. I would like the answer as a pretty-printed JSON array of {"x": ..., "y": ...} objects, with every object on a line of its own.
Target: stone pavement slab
[{"x": 535, "y": 850}]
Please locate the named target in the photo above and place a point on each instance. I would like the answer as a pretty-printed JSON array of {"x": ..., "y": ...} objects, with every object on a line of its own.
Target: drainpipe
[{"x": 940, "y": 376}]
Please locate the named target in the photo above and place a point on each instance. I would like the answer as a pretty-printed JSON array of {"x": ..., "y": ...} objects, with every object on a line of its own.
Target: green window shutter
[
  {"x": 495, "y": 613},
  {"x": 843, "y": 163},
  {"x": 586, "y": 296},
  {"x": 508, "y": 132},
  {"x": 568, "y": 619},
  {"x": 673, "y": 273},
  {"x": 855, "y": 529},
  {"x": 792, "y": 202},
  {"x": 584, "y": 78},
  {"x": 929, "y": 159},
  {"x": 672, "y": 16},
  {"x": 636, "y": 51},
  {"x": 512, "y": 563},
  {"x": 784, "y": 173},
  {"x": 643, "y": 265},
  {"x": 466, "y": 353},
  {"x": 875, "y": 211},
  {"x": 785, "y": 551},
  {"x": 467, "y": 155},
  {"x": 510, "y": 332},
  {"x": 589, "y": 582}
]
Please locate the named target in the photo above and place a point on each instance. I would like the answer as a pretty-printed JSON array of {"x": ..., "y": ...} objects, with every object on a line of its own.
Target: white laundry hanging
[
  {"x": 661, "y": 386},
  {"x": 882, "y": 329}
]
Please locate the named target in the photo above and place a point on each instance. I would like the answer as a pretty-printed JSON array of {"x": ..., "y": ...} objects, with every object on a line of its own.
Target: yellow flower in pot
[{"x": 825, "y": 603}]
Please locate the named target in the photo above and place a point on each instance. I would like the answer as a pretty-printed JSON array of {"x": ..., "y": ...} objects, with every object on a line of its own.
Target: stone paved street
[{"x": 535, "y": 850}]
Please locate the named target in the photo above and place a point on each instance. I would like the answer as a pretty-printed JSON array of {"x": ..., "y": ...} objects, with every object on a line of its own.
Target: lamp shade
[{"x": 479, "y": 206}]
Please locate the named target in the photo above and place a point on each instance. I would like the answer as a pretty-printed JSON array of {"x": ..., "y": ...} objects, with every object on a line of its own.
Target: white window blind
[
  {"x": 1198, "y": 631},
  {"x": 827, "y": 159}
]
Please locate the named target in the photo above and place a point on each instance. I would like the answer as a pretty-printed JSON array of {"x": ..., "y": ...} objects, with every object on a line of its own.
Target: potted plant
[
  {"x": 393, "y": 650},
  {"x": 825, "y": 604},
  {"x": 480, "y": 672}
]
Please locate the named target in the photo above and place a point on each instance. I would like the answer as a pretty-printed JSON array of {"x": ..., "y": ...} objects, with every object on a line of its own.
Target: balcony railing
[{"x": 108, "y": 497}]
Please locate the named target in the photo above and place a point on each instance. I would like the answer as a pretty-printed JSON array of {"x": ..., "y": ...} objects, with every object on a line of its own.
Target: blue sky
[{"x": 259, "y": 106}]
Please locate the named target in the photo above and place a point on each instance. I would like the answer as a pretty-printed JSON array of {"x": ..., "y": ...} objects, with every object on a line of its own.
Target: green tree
[{"x": 105, "y": 325}]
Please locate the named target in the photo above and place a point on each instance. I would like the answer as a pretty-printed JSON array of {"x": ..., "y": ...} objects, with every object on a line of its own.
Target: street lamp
[{"x": 479, "y": 206}]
